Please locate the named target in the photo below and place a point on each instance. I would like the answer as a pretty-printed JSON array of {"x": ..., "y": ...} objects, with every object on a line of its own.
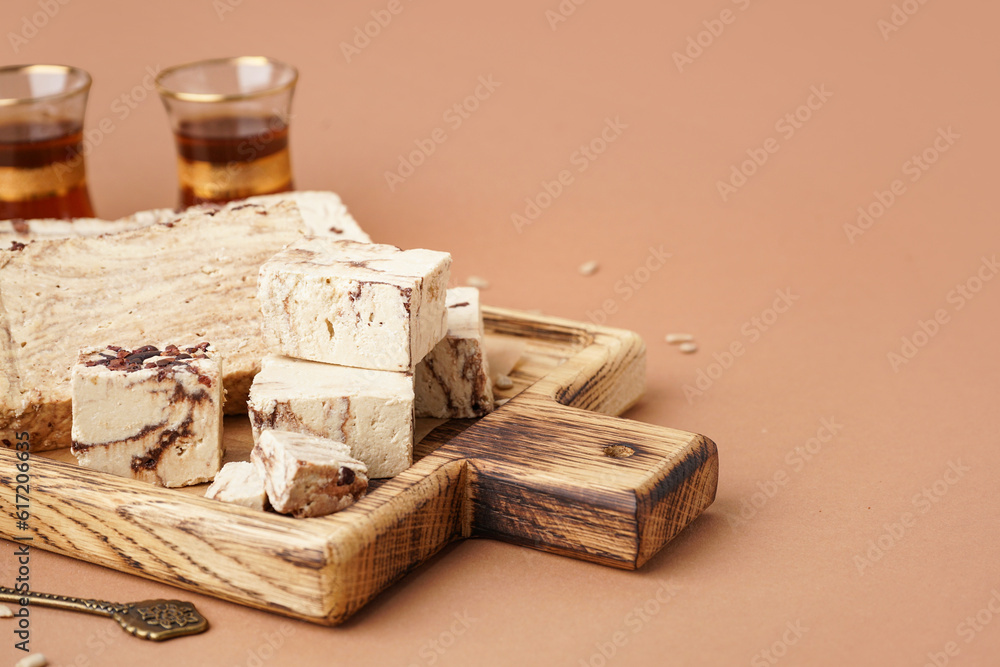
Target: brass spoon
[{"x": 156, "y": 620}]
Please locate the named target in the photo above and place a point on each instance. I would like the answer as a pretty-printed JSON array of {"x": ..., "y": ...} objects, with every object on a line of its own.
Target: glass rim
[
  {"x": 84, "y": 86},
  {"x": 165, "y": 91}
]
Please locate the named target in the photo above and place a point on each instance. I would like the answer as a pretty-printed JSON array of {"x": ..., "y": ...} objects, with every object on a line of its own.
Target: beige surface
[{"x": 730, "y": 590}]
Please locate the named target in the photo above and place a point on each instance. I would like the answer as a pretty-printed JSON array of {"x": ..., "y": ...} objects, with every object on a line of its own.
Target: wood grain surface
[{"x": 551, "y": 469}]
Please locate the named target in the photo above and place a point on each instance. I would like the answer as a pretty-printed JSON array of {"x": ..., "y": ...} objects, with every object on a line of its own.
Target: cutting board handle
[{"x": 591, "y": 486}]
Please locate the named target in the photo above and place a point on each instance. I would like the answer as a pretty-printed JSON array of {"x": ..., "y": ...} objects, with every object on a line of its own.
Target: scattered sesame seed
[
  {"x": 503, "y": 382},
  {"x": 588, "y": 268},
  {"x": 688, "y": 348},
  {"x": 33, "y": 660},
  {"x": 5, "y": 611},
  {"x": 675, "y": 338}
]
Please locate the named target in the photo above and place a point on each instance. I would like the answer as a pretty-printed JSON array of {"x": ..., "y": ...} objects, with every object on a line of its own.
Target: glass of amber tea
[
  {"x": 42, "y": 171},
  {"x": 230, "y": 121}
]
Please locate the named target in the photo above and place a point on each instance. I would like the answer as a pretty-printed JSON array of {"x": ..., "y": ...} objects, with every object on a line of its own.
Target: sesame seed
[
  {"x": 33, "y": 660},
  {"x": 503, "y": 382}
]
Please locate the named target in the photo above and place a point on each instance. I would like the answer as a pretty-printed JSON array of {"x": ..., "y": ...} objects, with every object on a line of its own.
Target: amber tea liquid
[
  {"x": 42, "y": 171},
  {"x": 226, "y": 158}
]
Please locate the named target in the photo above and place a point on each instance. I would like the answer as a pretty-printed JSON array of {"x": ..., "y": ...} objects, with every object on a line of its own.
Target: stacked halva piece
[{"x": 349, "y": 326}]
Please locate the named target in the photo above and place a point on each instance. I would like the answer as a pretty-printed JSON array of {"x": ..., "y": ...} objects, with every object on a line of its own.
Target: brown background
[{"x": 796, "y": 560}]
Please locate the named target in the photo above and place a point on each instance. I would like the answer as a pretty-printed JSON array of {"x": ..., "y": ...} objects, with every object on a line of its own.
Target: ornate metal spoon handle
[
  {"x": 99, "y": 607},
  {"x": 150, "y": 619}
]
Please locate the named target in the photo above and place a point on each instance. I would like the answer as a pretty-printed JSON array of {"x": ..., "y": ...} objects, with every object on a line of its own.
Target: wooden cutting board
[{"x": 550, "y": 470}]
